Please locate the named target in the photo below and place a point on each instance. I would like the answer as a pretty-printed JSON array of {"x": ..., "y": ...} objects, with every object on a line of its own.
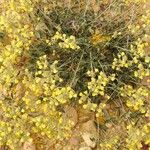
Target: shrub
[{"x": 87, "y": 53}]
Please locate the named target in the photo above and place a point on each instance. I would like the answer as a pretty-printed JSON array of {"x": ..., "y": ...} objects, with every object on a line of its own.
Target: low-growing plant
[{"x": 90, "y": 54}]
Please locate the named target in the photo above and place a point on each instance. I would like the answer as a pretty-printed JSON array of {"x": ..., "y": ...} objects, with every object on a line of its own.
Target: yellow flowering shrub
[
  {"x": 136, "y": 135},
  {"x": 28, "y": 100},
  {"x": 67, "y": 42},
  {"x": 136, "y": 99},
  {"x": 90, "y": 55}
]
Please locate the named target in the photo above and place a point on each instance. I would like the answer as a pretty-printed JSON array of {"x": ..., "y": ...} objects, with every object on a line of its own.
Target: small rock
[
  {"x": 89, "y": 127},
  {"x": 71, "y": 114},
  {"x": 28, "y": 146},
  {"x": 85, "y": 148},
  {"x": 89, "y": 140},
  {"x": 74, "y": 141}
]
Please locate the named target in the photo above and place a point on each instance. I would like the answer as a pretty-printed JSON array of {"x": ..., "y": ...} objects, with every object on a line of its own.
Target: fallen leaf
[
  {"x": 85, "y": 148},
  {"x": 71, "y": 114},
  {"x": 88, "y": 127},
  {"x": 89, "y": 139},
  {"x": 145, "y": 81},
  {"x": 28, "y": 146},
  {"x": 74, "y": 141}
]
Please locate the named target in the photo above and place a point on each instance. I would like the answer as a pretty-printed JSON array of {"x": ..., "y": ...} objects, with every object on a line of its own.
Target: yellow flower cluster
[
  {"x": 89, "y": 105},
  {"x": 146, "y": 19},
  {"x": 142, "y": 72},
  {"x": 97, "y": 38},
  {"x": 86, "y": 101},
  {"x": 64, "y": 41},
  {"x": 121, "y": 61},
  {"x": 136, "y": 136},
  {"x": 16, "y": 25},
  {"x": 137, "y": 53},
  {"x": 45, "y": 126},
  {"x": 39, "y": 99},
  {"x": 28, "y": 101},
  {"x": 138, "y": 49},
  {"x": 95, "y": 87},
  {"x": 62, "y": 95},
  {"x": 13, "y": 130},
  {"x": 98, "y": 82},
  {"x": 135, "y": 98},
  {"x": 100, "y": 109},
  {"x": 33, "y": 101},
  {"x": 49, "y": 79}
]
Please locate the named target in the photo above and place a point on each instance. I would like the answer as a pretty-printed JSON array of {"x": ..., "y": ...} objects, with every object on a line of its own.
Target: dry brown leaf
[
  {"x": 89, "y": 127},
  {"x": 89, "y": 140},
  {"x": 71, "y": 114},
  {"x": 19, "y": 91},
  {"x": 145, "y": 81},
  {"x": 74, "y": 141},
  {"x": 28, "y": 146},
  {"x": 85, "y": 148}
]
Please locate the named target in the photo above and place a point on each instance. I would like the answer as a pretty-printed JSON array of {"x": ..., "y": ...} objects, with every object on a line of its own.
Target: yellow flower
[{"x": 97, "y": 38}]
